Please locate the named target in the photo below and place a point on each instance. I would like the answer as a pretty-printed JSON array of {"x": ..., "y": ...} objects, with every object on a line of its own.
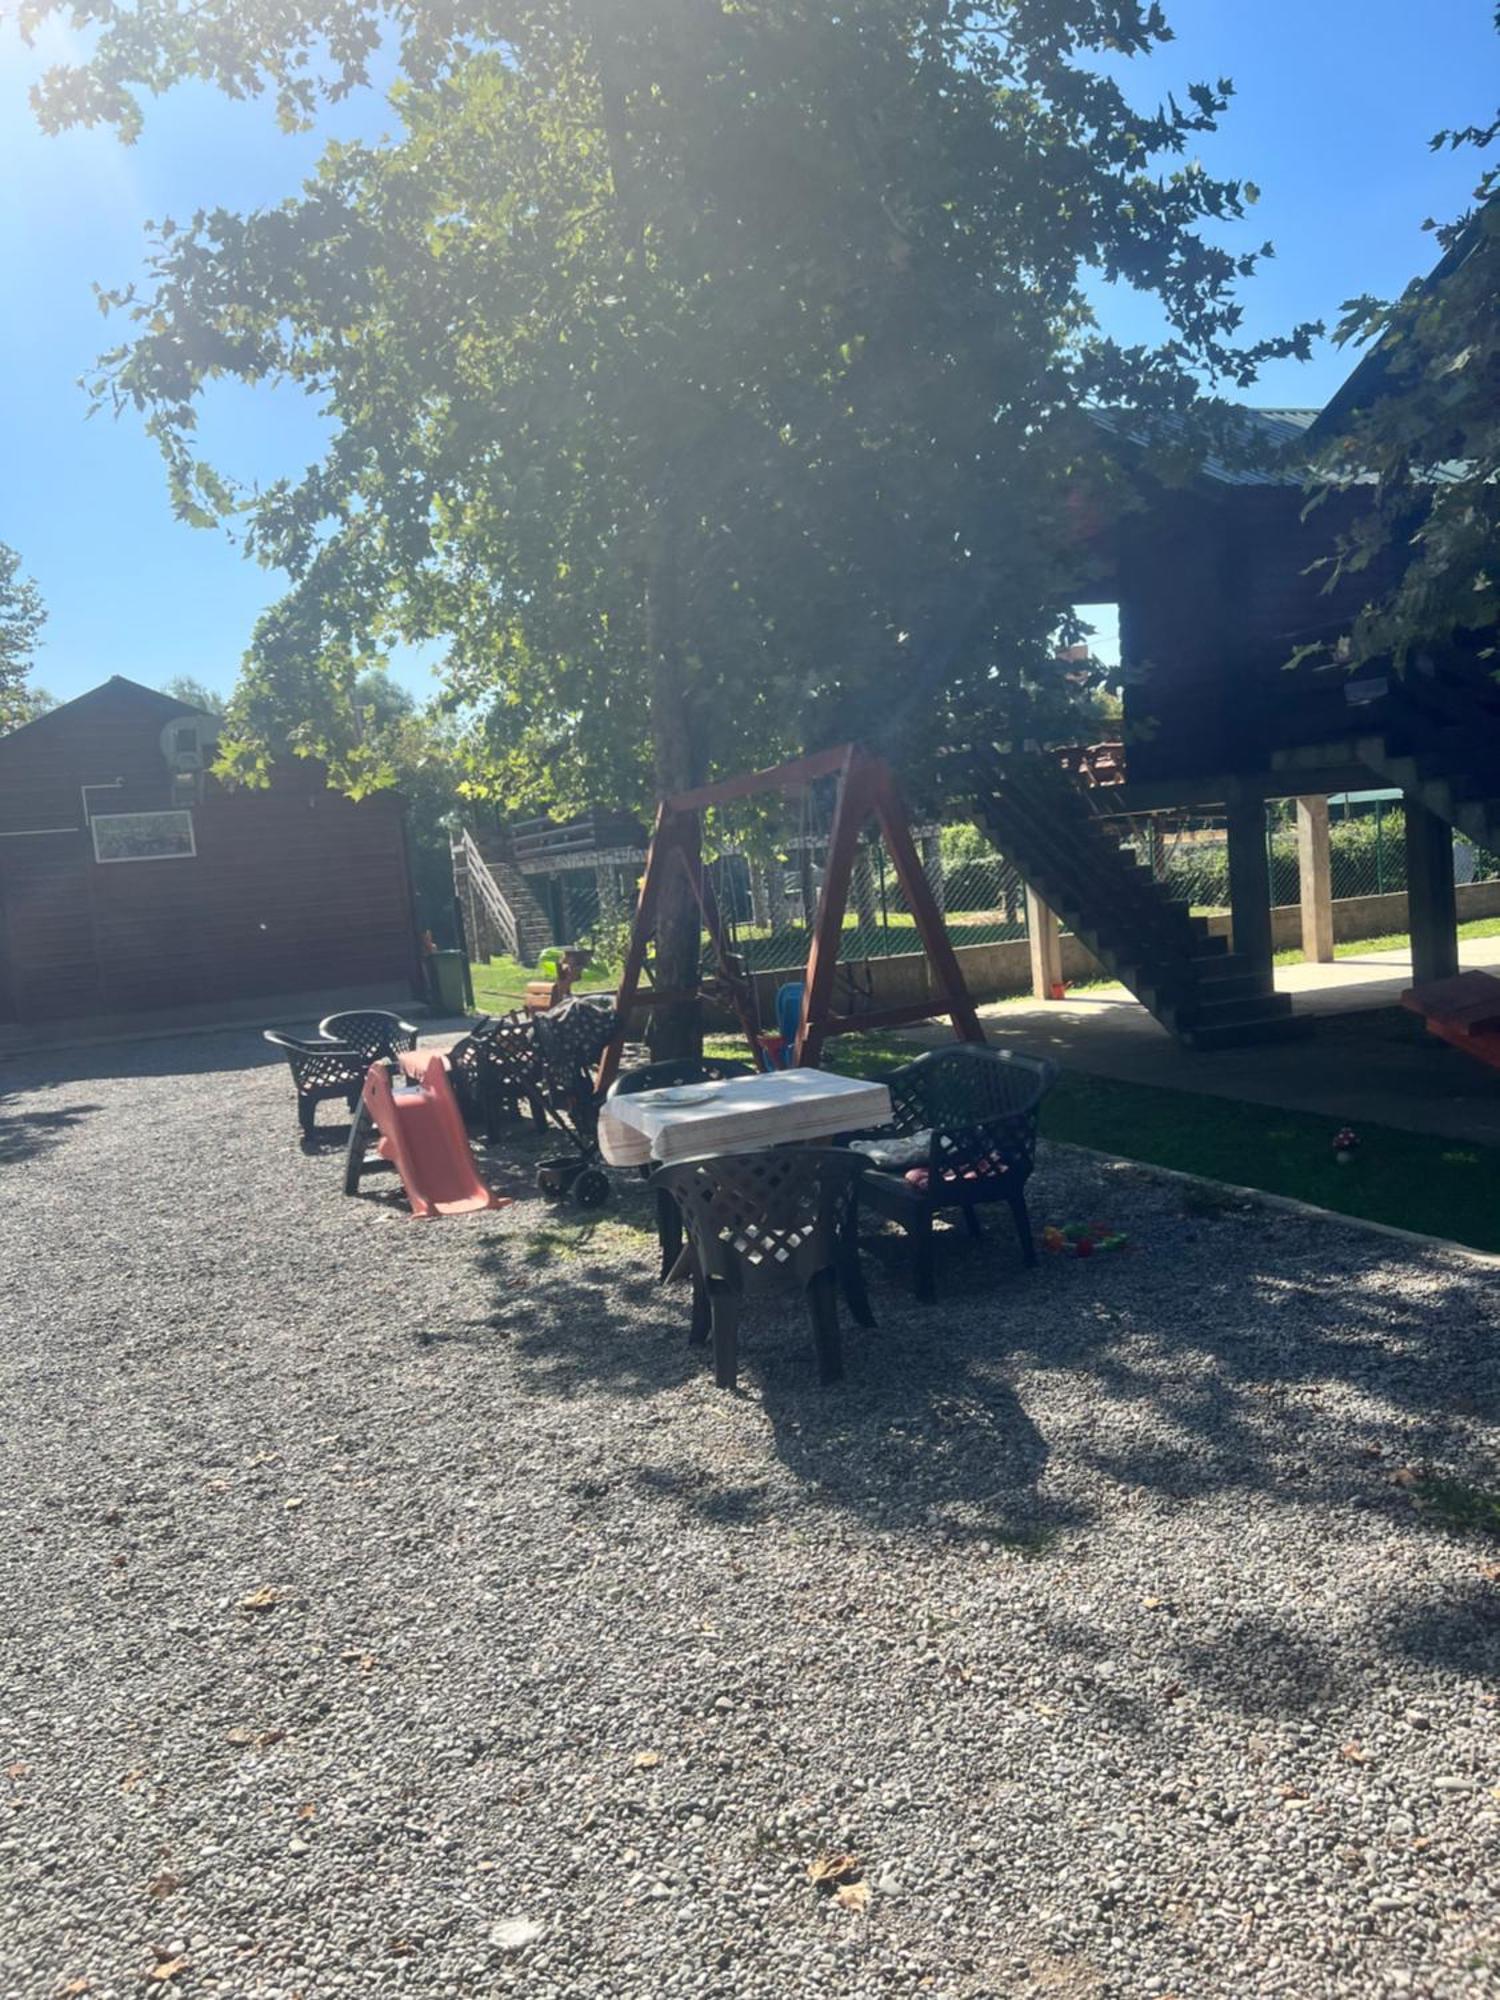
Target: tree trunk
[{"x": 675, "y": 1031}]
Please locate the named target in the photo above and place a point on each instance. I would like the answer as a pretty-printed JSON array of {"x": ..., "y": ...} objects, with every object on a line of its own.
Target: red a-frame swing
[{"x": 866, "y": 790}]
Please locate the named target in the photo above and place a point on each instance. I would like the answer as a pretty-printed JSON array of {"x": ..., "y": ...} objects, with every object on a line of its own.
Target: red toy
[
  {"x": 1083, "y": 1239},
  {"x": 421, "y": 1135}
]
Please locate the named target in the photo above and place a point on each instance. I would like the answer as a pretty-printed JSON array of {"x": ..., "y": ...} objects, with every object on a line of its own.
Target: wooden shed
[{"x": 132, "y": 882}]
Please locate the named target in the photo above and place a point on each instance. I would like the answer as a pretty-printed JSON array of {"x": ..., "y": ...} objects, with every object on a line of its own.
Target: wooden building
[
  {"x": 133, "y": 882},
  {"x": 1219, "y": 586}
]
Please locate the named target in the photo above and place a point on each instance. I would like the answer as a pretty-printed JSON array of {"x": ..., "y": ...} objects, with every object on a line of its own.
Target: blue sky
[{"x": 1335, "y": 102}]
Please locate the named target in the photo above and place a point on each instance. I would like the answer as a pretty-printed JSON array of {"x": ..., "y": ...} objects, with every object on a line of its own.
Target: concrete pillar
[
  {"x": 1043, "y": 937},
  {"x": 1431, "y": 901},
  {"x": 1314, "y": 881},
  {"x": 1249, "y": 882}
]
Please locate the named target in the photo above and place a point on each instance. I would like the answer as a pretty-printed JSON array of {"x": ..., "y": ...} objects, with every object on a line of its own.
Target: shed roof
[
  {"x": 116, "y": 693},
  {"x": 1270, "y": 433}
]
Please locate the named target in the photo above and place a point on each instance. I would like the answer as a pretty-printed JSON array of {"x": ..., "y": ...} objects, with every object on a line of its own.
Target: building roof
[
  {"x": 1268, "y": 435},
  {"x": 115, "y": 693},
  {"x": 1371, "y": 380}
]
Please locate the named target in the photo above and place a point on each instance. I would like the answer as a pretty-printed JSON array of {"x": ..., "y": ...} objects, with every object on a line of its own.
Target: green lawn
[
  {"x": 500, "y": 985},
  {"x": 1405, "y": 1178},
  {"x": 1477, "y": 927}
]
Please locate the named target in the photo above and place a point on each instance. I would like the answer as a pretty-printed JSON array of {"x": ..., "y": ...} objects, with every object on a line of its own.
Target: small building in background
[{"x": 132, "y": 883}]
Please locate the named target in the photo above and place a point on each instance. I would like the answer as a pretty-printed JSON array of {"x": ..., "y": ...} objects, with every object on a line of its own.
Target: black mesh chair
[
  {"x": 680, "y": 1071},
  {"x": 377, "y": 1036},
  {"x": 320, "y": 1070},
  {"x": 755, "y": 1220},
  {"x": 964, "y": 1135},
  {"x": 496, "y": 1068},
  {"x": 335, "y": 1064}
]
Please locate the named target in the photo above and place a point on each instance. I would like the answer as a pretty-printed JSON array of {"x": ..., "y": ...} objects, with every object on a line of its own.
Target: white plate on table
[{"x": 684, "y": 1093}]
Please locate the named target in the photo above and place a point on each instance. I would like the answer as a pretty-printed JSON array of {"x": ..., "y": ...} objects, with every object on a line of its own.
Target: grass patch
[
  {"x": 500, "y": 985},
  {"x": 1460, "y": 1508},
  {"x": 1477, "y": 927},
  {"x": 1408, "y": 1179}
]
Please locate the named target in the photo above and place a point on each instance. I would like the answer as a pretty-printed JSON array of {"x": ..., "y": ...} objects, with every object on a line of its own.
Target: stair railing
[{"x": 489, "y": 892}]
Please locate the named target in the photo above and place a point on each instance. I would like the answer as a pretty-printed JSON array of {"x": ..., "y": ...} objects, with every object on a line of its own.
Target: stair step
[
  {"x": 1252, "y": 1007},
  {"x": 1244, "y": 1034}
]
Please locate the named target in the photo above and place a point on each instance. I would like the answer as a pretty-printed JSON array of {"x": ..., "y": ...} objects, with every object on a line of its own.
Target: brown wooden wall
[
  {"x": 293, "y": 889},
  {"x": 1217, "y": 589}
]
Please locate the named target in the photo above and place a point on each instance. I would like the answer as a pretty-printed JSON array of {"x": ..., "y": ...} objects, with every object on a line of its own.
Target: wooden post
[
  {"x": 1314, "y": 881},
  {"x": 1045, "y": 940},
  {"x": 895, "y": 825},
  {"x": 850, "y": 812},
  {"x": 1431, "y": 900},
  {"x": 1250, "y": 882}
]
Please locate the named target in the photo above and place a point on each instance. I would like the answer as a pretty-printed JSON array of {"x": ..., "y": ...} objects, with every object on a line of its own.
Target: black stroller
[{"x": 569, "y": 1040}]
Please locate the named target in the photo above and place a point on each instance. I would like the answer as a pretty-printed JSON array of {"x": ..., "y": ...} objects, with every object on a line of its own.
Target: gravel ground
[{"x": 397, "y": 1607}]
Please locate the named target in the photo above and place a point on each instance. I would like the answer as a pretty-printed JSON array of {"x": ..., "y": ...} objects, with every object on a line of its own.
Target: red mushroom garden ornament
[{"x": 1345, "y": 1145}]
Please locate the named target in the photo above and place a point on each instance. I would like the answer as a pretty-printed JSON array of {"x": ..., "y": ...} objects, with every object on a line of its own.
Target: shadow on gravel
[
  {"x": 224, "y": 1050},
  {"x": 24, "y": 1134},
  {"x": 1276, "y": 1361},
  {"x": 925, "y": 1433}
]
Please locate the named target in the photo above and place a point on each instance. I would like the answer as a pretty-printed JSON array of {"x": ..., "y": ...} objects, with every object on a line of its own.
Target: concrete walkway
[{"x": 1362, "y": 1063}]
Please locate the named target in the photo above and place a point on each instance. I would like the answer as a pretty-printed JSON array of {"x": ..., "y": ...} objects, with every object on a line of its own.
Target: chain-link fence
[
  {"x": 769, "y": 903},
  {"x": 1189, "y": 853}
]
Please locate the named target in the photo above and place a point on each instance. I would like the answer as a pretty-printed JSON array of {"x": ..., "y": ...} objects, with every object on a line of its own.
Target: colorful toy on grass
[
  {"x": 1345, "y": 1145},
  {"x": 1082, "y": 1239}
]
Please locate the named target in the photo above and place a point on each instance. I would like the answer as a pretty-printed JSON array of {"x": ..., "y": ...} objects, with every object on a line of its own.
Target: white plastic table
[{"x": 777, "y": 1108}]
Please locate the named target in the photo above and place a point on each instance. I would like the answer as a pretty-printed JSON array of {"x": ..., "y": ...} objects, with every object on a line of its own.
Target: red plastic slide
[
  {"x": 1463, "y": 1011},
  {"x": 422, "y": 1135}
]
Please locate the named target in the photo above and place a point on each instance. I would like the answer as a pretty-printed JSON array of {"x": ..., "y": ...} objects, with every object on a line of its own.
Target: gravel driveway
[{"x": 397, "y": 1607}]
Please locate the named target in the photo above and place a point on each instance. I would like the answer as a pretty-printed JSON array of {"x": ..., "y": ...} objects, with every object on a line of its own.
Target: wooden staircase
[
  {"x": 1045, "y": 826},
  {"x": 502, "y": 913}
]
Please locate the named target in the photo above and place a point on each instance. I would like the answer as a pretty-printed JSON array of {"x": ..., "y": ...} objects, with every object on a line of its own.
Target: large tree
[
  {"x": 22, "y": 616},
  {"x": 711, "y": 375}
]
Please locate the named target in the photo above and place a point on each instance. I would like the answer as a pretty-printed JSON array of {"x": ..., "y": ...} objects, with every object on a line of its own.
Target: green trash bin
[{"x": 445, "y": 978}]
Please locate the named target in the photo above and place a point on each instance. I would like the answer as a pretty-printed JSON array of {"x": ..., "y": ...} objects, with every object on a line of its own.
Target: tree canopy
[
  {"x": 22, "y": 616},
  {"x": 188, "y": 688},
  {"x": 712, "y": 377},
  {"x": 1420, "y": 435}
]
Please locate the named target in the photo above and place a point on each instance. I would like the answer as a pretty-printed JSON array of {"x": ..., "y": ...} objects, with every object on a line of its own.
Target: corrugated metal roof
[{"x": 1265, "y": 431}]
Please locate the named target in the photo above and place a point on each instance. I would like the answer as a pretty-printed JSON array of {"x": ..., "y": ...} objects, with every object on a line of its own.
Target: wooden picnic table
[{"x": 781, "y": 1107}]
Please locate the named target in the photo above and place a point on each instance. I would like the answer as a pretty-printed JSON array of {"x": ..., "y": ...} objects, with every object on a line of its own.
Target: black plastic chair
[
  {"x": 377, "y": 1036},
  {"x": 964, "y": 1135},
  {"x": 496, "y": 1068},
  {"x": 670, "y": 1075},
  {"x": 755, "y": 1220},
  {"x": 320, "y": 1071}
]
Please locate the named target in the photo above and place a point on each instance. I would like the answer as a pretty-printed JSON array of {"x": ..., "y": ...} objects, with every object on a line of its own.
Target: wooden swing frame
[{"x": 867, "y": 790}]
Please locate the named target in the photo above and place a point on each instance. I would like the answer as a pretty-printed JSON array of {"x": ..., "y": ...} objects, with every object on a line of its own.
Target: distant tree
[
  {"x": 1423, "y": 443},
  {"x": 22, "y": 616},
  {"x": 183, "y": 687},
  {"x": 380, "y": 701}
]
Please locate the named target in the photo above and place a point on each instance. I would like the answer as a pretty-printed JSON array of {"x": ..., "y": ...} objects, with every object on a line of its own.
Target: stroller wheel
[{"x": 591, "y": 1189}]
